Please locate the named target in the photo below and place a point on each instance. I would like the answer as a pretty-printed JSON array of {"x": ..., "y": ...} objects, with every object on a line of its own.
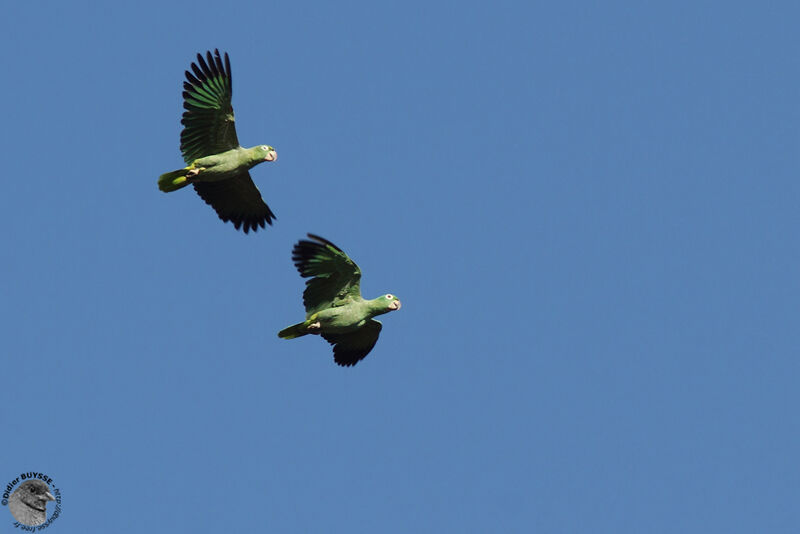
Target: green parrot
[
  {"x": 334, "y": 306},
  {"x": 217, "y": 166}
]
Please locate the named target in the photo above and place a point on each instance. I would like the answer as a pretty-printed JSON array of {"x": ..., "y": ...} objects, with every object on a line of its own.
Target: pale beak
[
  {"x": 271, "y": 156},
  {"x": 395, "y": 305},
  {"x": 49, "y": 496}
]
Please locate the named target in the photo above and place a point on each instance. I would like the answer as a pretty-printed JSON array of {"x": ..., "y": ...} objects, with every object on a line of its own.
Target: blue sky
[{"x": 589, "y": 211}]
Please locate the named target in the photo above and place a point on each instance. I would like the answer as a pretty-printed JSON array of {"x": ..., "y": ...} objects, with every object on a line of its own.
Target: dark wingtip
[
  {"x": 246, "y": 225},
  {"x": 323, "y": 241},
  {"x": 198, "y": 72},
  {"x": 192, "y": 79},
  {"x": 201, "y": 62},
  {"x": 212, "y": 65},
  {"x": 302, "y": 252},
  {"x": 208, "y": 66}
]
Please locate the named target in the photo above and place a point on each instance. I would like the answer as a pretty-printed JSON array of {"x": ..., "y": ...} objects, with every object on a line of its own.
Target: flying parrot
[
  {"x": 334, "y": 306},
  {"x": 217, "y": 166}
]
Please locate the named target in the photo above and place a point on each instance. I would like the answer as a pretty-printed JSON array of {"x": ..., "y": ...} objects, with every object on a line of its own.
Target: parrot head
[
  {"x": 262, "y": 153},
  {"x": 386, "y": 303},
  {"x": 268, "y": 152}
]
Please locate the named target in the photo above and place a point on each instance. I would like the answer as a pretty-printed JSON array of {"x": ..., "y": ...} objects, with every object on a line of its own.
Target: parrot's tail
[
  {"x": 296, "y": 330},
  {"x": 172, "y": 181}
]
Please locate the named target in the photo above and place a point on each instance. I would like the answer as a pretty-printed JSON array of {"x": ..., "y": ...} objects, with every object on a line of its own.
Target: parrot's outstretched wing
[
  {"x": 208, "y": 123},
  {"x": 237, "y": 200},
  {"x": 335, "y": 279},
  {"x": 351, "y": 348},
  {"x": 209, "y": 128}
]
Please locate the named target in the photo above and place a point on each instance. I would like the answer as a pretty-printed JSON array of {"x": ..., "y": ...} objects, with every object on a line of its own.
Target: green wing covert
[
  {"x": 208, "y": 122},
  {"x": 335, "y": 279}
]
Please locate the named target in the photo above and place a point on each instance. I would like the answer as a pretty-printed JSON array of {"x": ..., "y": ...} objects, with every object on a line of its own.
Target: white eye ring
[
  {"x": 389, "y": 296},
  {"x": 265, "y": 148}
]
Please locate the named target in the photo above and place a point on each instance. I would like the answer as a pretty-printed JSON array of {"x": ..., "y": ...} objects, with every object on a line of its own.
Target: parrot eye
[
  {"x": 265, "y": 148},
  {"x": 389, "y": 296}
]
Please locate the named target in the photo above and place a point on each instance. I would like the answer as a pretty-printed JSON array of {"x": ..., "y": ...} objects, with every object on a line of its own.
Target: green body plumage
[
  {"x": 217, "y": 166},
  {"x": 341, "y": 319},
  {"x": 333, "y": 302}
]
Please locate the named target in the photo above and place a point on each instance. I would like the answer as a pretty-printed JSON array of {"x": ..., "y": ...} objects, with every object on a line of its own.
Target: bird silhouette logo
[{"x": 28, "y": 502}]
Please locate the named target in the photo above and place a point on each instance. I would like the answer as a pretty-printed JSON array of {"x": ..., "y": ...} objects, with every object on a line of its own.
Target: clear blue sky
[{"x": 589, "y": 210}]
